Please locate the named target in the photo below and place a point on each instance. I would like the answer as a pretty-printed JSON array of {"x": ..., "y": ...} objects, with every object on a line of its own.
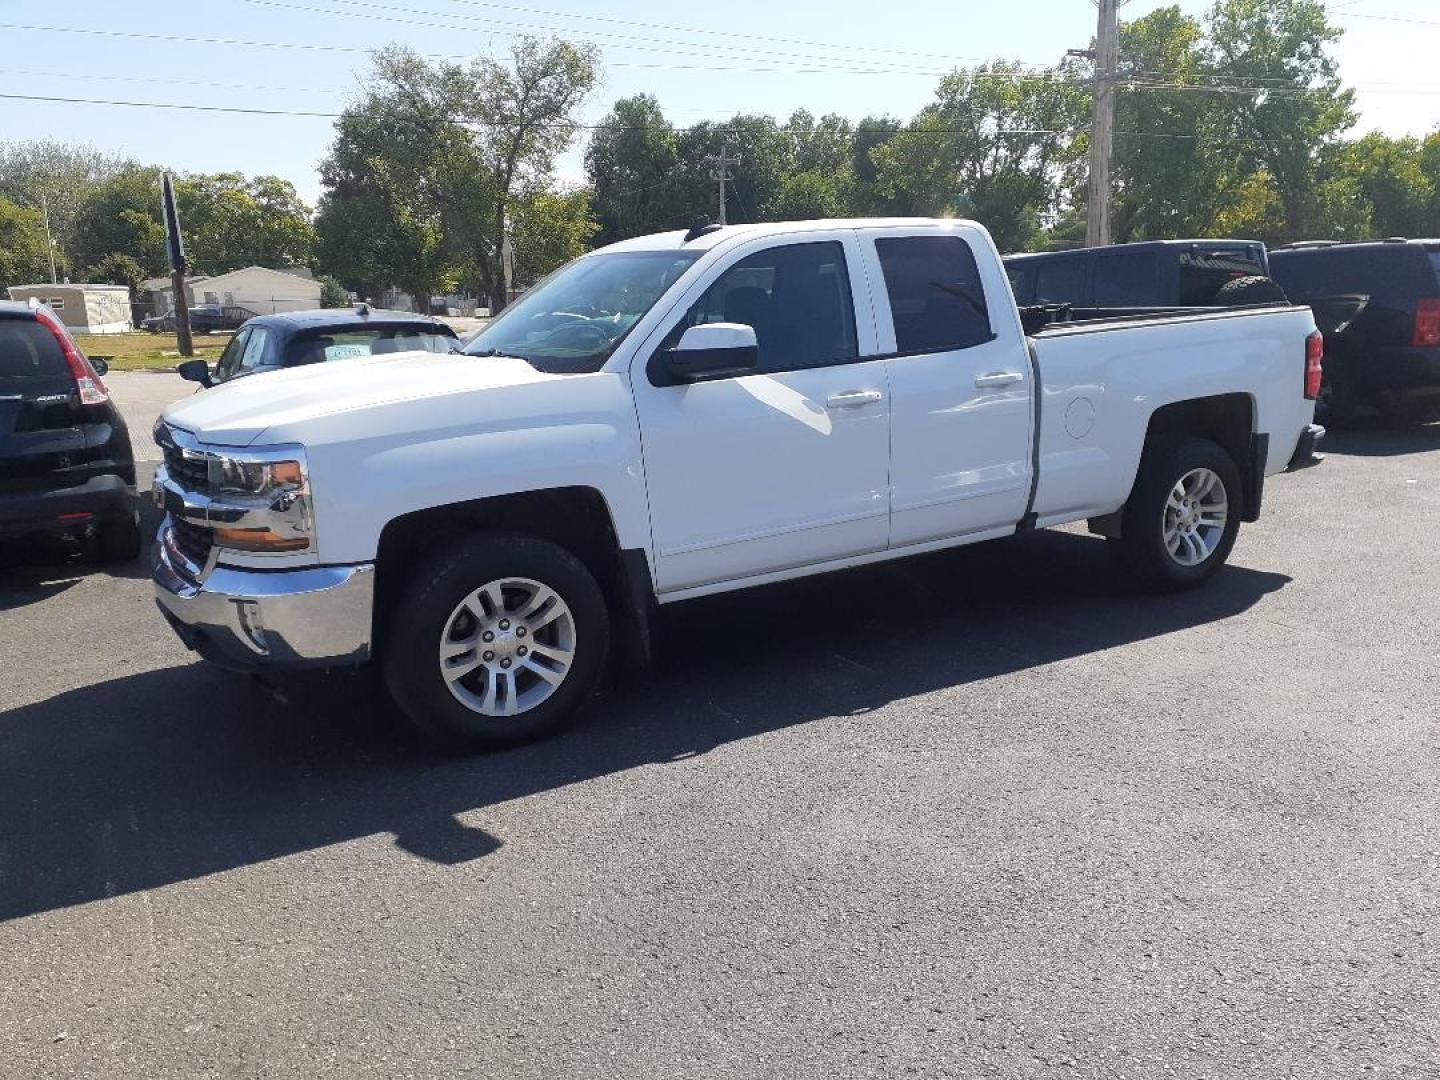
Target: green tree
[
  {"x": 548, "y": 229},
  {"x": 332, "y": 293},
  {"x": 1390, "y": 176},
  {"x": 998, "y": 143},
  {"x": 23, "y": 259},
  {"x": 866, "y": 198},
  {"x": 524, "y": 115},
  {"x": 118, "y": 268},
  {"x": 429, "y": 165},
  {"x": 62, "y": 175},
  {"x": 767, "y": 157},
  {"x": 229, "y": 221},
  {"x": 400, "y": 175},
  {"x": 122, "y": 214},
  {"x": 1287, "y": 103},
  {"x": 633, "y": 163},
  {"x": 1171, "y": 169}
]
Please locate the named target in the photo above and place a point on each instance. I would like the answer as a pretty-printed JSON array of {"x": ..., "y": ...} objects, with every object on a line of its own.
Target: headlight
[
  {"x": 235, "y": 476},
  {"x": 260, "y": 500}
]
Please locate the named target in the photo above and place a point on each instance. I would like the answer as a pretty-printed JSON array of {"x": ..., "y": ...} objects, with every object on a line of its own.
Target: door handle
[
  {"x": 852, "y": 399},
  {"x": 999, "y": 378}
]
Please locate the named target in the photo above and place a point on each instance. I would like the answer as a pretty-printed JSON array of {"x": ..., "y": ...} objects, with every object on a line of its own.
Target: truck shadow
[{"x": 169, "y": 775}]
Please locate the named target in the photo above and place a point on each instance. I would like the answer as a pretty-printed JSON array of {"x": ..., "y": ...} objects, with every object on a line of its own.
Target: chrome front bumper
[{"x": 252, "y": 619}]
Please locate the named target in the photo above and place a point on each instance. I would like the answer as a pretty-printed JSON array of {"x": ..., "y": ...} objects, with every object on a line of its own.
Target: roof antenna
[{"x": 701, "y": 226}]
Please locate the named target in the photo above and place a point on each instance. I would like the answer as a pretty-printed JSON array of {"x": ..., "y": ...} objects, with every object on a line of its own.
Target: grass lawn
[{"x": 141, "y": 351}]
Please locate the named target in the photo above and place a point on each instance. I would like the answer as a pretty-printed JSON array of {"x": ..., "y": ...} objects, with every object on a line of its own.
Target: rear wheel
[
  {"x": 499, "y": 641},
  {"x": 1183, "y": 514}
]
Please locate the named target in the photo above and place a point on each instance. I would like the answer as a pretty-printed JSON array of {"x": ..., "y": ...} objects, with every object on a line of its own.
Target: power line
[
  {"x": 718, "y": 129},
  {"x": 407, "y": 17},
  {"x": 369, "y": 50},
  {"x": 709, "y": 32}
]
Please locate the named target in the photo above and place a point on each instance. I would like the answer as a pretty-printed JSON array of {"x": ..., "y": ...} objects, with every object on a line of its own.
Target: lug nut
[
  {"x": 505, "y": 662},
  {"x": 489, "y": 635},
  {"x": 504, "y": 624},
  {"x": 489, "y": 655},
  {"x": 522, "y": 650},
  {"x": 520, "y": 631}
]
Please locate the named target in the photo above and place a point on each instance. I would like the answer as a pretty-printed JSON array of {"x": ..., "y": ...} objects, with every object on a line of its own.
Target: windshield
[{"x": 573, "y": 320}]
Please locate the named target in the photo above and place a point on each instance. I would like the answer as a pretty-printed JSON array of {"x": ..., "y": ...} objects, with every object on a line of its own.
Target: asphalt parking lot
[{"x": 978, "y": 814}]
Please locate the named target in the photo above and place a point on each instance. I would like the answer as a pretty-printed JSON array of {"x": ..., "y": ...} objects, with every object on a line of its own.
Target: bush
[{"x": 332, "y": 293}]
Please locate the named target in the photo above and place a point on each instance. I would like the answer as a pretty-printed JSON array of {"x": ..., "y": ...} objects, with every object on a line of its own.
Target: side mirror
[
  {"x": 101, "y": 365},
  {"x": 712, "y": 351},
  {"x": 195, "y": 371}
]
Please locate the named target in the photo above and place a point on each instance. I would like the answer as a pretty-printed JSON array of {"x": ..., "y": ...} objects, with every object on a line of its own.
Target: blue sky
[{"x": 702, "y": 61}]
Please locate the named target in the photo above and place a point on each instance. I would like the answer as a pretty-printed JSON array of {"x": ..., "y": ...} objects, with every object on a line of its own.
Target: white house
[
  {"x": 255, "y": 288},
  {"x": 86, "y": 309}
]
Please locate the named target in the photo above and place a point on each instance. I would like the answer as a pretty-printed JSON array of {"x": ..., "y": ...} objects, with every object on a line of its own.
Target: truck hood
[{"x": 238, "y": 413}]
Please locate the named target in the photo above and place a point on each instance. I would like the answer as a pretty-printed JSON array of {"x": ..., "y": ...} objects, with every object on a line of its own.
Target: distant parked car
[
  {"x": 204, "y": 319},
  {"x": 1161, "y": 273},
  {"x": 292, "y": 338},
  {"x": 1388, "y": 354},
  {"x": 65, "y": 460}
]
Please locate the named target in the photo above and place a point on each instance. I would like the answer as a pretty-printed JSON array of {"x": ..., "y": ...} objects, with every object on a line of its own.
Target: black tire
[
  {"x": 1141, "y": 545},
  {"x": 118, "y": 539},
  {"x": 411, "y": 663},
  {"x": 1254, "y": 289}
]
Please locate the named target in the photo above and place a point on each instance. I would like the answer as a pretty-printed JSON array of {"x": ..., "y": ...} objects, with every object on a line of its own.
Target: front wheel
[
  {"x": 499, "y": 641},
  {"x": 1183, "y": 514}
]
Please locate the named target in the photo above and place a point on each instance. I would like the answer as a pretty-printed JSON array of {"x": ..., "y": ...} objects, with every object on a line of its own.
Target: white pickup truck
[{"x": 694, "y": 412}]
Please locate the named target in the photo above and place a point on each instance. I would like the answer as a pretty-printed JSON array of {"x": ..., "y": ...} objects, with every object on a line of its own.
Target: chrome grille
[
  {"x": 191, "y": 473},
  {"x": 192, "y": 541}
]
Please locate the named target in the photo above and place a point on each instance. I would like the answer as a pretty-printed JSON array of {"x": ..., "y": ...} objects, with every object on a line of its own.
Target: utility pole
[
  {"x": 49, "y": 242},
  {"x": 1102, "y": 130},
  {"x": 720, "y": 171},
  {"x": 175, "y": 250}
]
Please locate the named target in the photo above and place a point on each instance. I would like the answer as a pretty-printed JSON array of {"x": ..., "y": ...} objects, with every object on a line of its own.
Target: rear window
[
  {"x": 28, "y": 350},
  {"x": 1203, "y": 272},
  {"x": 372, "y": 341}
]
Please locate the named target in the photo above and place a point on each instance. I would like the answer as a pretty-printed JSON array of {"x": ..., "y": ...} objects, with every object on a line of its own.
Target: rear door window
[
  {"x": 936, "y": 298},
  {"x": 30, "y": 351},
  {"x": 1126, "y": 281}
]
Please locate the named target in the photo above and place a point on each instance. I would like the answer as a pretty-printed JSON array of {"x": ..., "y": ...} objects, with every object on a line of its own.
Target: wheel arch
[
  {"x": 1228, "y": 420},
  {"x": 575, "y": 518}
]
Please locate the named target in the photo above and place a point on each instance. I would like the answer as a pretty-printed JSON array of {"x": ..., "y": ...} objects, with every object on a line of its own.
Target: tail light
[
  {"x": 1314, "y": 368},
  {"x": 1427, "y": 323},
  {"x": 87, "y": 382}
]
